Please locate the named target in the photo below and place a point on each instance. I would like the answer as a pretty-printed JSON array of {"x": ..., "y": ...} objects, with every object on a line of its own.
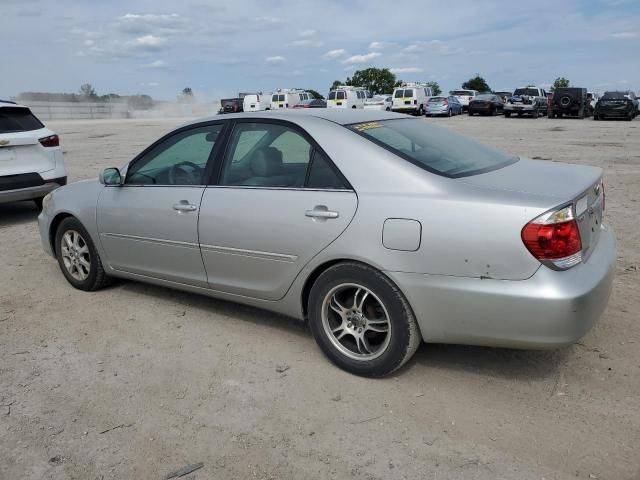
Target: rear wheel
[
  {"x": 420, "y": 111},
  {"x": 38, "y": 202},
  {"x": 507, "y": 114},
  {"x": 78, "y": 257},
  {"x": 361, "y": 321},
  {"x": 534, "y": 114},
  {"x": 448, "y": 112}
]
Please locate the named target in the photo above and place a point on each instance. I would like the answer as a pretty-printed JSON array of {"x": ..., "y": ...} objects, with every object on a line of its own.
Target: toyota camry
[{"x": 380, "y": 230}]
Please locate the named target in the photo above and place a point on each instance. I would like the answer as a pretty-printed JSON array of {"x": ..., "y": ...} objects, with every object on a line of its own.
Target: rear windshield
[
  {"x": 436, "y": 99},
  {"x": 436, "y": 149},
  {"x": 341, "y": 95},
  {"x": 484, "y": 97},
  {"x": 18, "y": 119},
  {"x": 531, "y": 92},
  {"x": 462, "y": 93},
  {"x": 613, "y": 96}
]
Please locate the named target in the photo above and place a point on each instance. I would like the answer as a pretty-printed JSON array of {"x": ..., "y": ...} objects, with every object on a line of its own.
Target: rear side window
[
  {"x": 341, "y": 95},
  {"x": 435, "y": 149},
  {"x": 18, "y": 119},
  {"x": 322, "y": 175}
]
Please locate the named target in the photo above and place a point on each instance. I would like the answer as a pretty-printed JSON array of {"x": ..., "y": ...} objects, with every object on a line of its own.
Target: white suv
[
  {"x": 464, "y": 97},
  {"x": 31, "y": 163}
]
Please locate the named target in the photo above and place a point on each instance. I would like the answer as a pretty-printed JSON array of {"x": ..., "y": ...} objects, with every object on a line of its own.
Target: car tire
[
  {"x": 507, "y": 114},
  {"x": 420, "y": 111},
  {"x": 371, "y": 339},
  {"x": 38, "y": 202},
  {"x": 78, "y": 258},
  {"x": 470, "y": 113},
  {"x": 449, "y": 113},
  {"x": 534, "y": 114}
]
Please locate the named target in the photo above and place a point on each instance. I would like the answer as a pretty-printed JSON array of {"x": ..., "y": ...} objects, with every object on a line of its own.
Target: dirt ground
[{"x": 137, "y": 381}]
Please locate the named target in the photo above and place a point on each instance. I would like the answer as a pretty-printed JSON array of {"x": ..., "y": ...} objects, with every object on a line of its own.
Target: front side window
[
  {"x": 275, "y": 155},
  {"x": 438, "y": 150},
  {"x": 178, "y": 160}
]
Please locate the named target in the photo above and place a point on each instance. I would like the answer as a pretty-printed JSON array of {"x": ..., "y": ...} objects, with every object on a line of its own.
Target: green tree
[
  {"x": 87, "y": 91},
  {"x": 560, "y": 82},
  {"x": 315, "y": 94},
  {"x": 187, "y": 92},
  {"x": 336, "y": 84},
  {"x": 476, "y": 83},
  {"x": 435, "y": 88},
  {"x": 376, "y": 80}
]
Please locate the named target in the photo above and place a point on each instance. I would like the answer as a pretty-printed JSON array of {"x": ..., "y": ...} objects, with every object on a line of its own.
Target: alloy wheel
[
  {"x": 75, "y": 255},
  {"x": 356, "y": 321}
]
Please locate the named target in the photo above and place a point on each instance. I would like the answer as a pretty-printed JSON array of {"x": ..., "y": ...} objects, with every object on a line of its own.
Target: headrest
[{"x": 267, "y": 162}]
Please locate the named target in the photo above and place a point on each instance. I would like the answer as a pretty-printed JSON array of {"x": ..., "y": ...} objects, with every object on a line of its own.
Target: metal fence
[{"x": 95, "y": 110}]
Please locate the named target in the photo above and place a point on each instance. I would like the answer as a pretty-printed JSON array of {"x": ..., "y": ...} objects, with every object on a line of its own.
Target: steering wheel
[{"x": 178, "y": 175}]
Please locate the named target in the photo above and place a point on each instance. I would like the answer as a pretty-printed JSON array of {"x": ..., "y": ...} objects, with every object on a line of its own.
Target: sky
[{"x": 220, "y": 48}]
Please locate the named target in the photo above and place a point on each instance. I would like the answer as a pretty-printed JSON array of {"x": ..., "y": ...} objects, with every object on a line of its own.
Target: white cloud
[
  {"x": 158, "y": 64},
  {"x": 625, "y": 35},
  {"x": 376, "y": 46},
  {"x": 275, "y": 59},
  {"x": 149, "y": 41},
  {"x": 360, "y": 58},
  {"x": 89, "y": 43},
  {"x": 308, "y": 33},
  {"x": 339, "y": 52},
  {"x": 405, "y": 70},
  {"x": 306, "y": 42},
  {"x": 436, "y": 47},
  {"x": 145, "y": 23}
]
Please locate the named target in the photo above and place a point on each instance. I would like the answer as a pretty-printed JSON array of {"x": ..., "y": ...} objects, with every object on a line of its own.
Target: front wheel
[
  {"x": 78, "y": 257},
  {"x": 361, "y": 321}
]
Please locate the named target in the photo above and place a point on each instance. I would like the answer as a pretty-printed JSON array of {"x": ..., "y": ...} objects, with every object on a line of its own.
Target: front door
[
  {"x": 149, "y": 225},
  {"x": 279, "y": 202}
]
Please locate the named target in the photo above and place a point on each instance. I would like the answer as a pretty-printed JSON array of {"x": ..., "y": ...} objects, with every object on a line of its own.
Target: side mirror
[{"x": 110, "y": 177}]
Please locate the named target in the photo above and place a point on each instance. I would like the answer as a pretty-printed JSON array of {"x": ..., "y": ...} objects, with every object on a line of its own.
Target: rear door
[
  {"x": 149, "y": 225},
  {"x": 279, "y": 201},
  {"x": 20, "y": 150}
]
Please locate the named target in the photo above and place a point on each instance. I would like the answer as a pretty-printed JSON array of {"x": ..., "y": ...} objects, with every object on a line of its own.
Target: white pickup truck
[{"x": 530, "y": 100}]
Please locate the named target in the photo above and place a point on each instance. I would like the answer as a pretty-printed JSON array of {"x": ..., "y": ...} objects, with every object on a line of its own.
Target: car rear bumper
[
  {"x": 407, "y": 109},
  {"x": 30, "y": 193},
  {"x": 437, "y": 110},
  {"x": 520, "y": 108},
  {"x": 548, "y": 310}
]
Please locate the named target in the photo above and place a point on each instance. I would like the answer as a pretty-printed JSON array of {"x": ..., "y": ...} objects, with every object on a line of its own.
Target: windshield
[
  {"x": 531, "y": 92},
  {"x": 613, "y": 96},
  {"x": 436, "y": 149},
  {"x": 462, "y": 93}
]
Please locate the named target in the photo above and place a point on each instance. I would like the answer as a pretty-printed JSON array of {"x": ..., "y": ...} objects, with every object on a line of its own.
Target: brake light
[
  {"x": 554, "y": 237},
  {"x": 445, "y": 101},
  {"x": 50, "y": 141}
]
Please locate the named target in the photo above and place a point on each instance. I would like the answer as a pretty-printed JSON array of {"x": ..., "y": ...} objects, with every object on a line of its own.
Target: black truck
[{"x": 570, "y": 102}]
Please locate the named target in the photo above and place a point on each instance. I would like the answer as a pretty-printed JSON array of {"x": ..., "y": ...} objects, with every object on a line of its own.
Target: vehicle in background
[
  {"x": 312, "y": 103},
  {"x": 448, "y": 106},
  {"x": 346, "y": 96},
  {"x": 504, "y": 95},
  {"x": 530, "y": 100},
  {"x": 464, "y": 97},
  {"x": 31, "y": 160},
  {"x": 486, "y": 104},
  {"x": 439, "y": 238},
  {"x": 411, "y": 98},
  {"x": 593, "y": 99},
  {"x": 615, "y": 105},
  {"x": 287, "y": 98},
  {"x": 379, "y": 102},
  {"x": 256, "y": 102},
  {"x": 231, "y": 105},
  {"x": 632, "y": 96},
  {"x": 569, "y": 101}
]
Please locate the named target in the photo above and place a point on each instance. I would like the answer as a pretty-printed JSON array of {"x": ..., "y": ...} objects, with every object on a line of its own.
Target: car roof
[
  {"x": 8, "y": 103},
  {"x": 335, "y": 115}
]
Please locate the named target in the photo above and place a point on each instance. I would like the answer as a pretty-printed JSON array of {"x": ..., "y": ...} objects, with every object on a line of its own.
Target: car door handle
[
  {"x": 320, "y": 211},
  {"x": 185, "y": 206}
]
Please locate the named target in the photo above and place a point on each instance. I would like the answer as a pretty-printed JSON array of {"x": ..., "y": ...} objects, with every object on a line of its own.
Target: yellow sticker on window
[{"x": 361, "y": 127}]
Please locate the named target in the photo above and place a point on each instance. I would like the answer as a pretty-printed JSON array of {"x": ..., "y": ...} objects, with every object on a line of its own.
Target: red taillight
[
  {"x": 470, "y": 98},
  {"x": 554, "y": 237},
  {"x": 445, "y": 101},
  {"x": 50, "y": 141}
]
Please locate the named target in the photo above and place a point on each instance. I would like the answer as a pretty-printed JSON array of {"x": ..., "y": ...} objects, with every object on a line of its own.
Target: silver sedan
[{"x": 380, "y": 230}]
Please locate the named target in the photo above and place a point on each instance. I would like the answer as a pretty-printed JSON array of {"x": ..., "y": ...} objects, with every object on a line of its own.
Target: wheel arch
[
  {"x": 320, "y": 269},
  {"x": 53, "y": 228}
]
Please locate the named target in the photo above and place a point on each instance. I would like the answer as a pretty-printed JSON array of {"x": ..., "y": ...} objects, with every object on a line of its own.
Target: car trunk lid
[
  {"x": 21, "y": 152},
  {"x": 551, "y": 185}
]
